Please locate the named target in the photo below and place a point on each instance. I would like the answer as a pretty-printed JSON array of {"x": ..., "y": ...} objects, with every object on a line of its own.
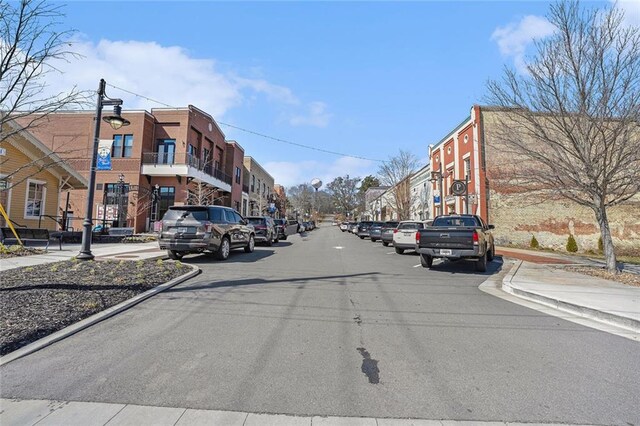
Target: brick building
[
  {"x": 180, "y": 154},
  {"x": 261, "y": 186},
  {"x": 472, "y": 149}
]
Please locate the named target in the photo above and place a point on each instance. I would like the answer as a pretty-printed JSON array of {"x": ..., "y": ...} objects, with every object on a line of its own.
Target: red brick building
[
  {"x": 473, "y": 149},
  {"x": 180, "y": 154},
  {"x": 458, "y": 155}
]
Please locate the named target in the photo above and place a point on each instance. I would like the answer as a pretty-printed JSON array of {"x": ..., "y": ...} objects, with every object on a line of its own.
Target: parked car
[
  {"x": 386, "y": 233},
  {"x": 198, "y": 229},
  {"x": 456, "y": 237},
  {"x": 404, "y": 236},
  {"x": 344, "y": 226},
  {"x": 363, "y": 229},
  {"x": 354, "y": 228},
  {"x": 265, "y": 229},
  {"x": 284, "y": 228},
  {"x": 375, "y": 231}
]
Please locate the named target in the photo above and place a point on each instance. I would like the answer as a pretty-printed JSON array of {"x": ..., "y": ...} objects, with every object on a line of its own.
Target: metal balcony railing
[{"x": 189, "y": 160}]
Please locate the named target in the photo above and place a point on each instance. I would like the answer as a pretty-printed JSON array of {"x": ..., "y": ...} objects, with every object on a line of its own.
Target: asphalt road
[{"x": 327, "y": 324}]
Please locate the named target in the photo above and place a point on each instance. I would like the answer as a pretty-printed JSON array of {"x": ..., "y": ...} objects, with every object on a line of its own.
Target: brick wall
[{"x": 519, "y": 214}]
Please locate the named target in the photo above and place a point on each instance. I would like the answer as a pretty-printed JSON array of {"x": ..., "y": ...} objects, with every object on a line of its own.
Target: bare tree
[
  {"x": 573, "y": 118},
  {"x": 31, "y": 46},
  {"x": 202, "y": 194},
  {"x": 396, "y": 174},
  {"x": 301, "y": 198},
  {"x": 344, "y": 193}
]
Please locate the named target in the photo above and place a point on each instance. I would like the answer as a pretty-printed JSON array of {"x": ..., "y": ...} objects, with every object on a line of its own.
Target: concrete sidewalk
[
  {"x": 583, "y": 295},
  {"x": 43, "y": 412},
  {"x": 120, "y": 251}
]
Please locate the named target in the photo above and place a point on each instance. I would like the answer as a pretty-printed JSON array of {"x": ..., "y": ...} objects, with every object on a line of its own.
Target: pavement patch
[{"x": 369, "y": 366}]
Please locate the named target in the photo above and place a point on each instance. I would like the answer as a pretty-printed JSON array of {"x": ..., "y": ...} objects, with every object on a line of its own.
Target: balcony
[{"x": 183, "y": 164}]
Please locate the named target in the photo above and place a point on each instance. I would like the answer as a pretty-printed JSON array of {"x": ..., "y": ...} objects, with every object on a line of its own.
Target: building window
[
  {"x": 467, "y": 167},
  {"x": 166, "y": 151},
  {"x": 122, "y": 146},
  {"x": 253, "y": 183},
  {"x": 167, "y": 198},
  {"x": 238, "y": 174},
  {"x": 244, "y": 207},
  {"x": 466, "y": 138},
  {"x": 36, "y": 196},
  {"x": 236, "y": 205},
  {"x": 264, "y": 189}
]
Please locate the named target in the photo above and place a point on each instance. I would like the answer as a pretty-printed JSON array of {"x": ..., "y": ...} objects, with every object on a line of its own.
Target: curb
[
  {"x": 575, "y": 309},
  {"x": 96, "y": 318}
]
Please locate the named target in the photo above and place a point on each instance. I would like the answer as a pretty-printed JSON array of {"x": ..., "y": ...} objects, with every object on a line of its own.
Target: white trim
[
  {"x": 476, "y": 170},
  {"x": 42, "y": 203},
  {"x": 7, "y": 208},
  {"x": 450, "y": 165},
  {"x": 467, "y": 155}
]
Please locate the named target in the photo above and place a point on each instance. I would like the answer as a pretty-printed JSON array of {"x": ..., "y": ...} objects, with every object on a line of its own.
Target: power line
[{"x": 262, "y": 135}]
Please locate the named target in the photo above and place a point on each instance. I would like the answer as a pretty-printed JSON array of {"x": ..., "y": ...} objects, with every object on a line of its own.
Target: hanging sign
[{"x": 103, "y": 161}]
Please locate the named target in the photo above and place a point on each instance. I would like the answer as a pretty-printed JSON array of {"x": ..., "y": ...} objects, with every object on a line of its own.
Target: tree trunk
[{"x": 605, "y": 233}]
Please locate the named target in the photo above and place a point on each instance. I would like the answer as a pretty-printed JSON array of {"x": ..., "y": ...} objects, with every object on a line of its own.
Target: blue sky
[{"x": 359, "y": 78}]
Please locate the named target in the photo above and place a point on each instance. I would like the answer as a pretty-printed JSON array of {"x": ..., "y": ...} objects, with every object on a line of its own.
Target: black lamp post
[
  {"x": 116, "y": 121},
  {"x": 120, "y": 197}
]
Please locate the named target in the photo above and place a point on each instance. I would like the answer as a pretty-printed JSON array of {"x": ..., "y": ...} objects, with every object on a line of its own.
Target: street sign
[{"x": 459, "y": 187}]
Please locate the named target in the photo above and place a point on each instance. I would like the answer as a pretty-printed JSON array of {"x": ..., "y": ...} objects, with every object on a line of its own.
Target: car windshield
[
  {"x": 455, "y": 221},
  {"x": 256, "y": 220},
  {"x": 411, "y": 225}
]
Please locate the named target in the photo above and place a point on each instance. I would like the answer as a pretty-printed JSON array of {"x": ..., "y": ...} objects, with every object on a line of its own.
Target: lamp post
[
  {"x": 154, "y": 206},
  {"x": 120, "y": 197},
  {"x": 116, "y": 121}
]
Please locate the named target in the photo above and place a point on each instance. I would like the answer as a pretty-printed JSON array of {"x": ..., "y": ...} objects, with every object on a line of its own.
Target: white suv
[{"x": 404, "y": 236}]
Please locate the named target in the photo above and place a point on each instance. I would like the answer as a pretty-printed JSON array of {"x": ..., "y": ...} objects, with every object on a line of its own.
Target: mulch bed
[
  {"x": 36, "y": 301},
  {"x": 7, "y": 252}
]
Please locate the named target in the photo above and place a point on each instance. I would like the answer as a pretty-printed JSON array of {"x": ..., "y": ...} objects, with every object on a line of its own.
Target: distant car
[
  {"x": 354, "y": 228},
  {"x": 198, "y": 229},
  {"x": 344, "y": 226},
  {"x": 404, "y": 236},
  {"x": 265, "y": 229},
  {"x": 375, "y": 231},
  {"x": 363, "y": 229},
  {"x": 282, "y": 228},
  {"x": 386, "y": 233}
]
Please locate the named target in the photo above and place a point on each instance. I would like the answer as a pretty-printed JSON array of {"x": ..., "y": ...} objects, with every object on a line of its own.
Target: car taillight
[
  {"x": 476, "y": 239},
  {"x": 208, "y": 227},
  {"x": 395, "y": 231},
  {"x": 417, "y": 237}
]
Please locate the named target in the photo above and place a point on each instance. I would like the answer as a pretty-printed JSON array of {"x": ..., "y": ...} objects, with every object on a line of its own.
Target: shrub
[
  {"x": 600, "y": 245},
  {"x": 534, "y": 243},
  {"x": 572, "y": 246}
]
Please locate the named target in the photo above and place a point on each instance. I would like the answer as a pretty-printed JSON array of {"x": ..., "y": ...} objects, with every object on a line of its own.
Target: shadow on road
[
  {"x": 236, "y": 256},
  {"x": 254, "y": 281}
]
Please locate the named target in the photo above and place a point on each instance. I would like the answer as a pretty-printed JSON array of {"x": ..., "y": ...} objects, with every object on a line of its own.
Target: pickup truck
[{"x": 456, "y": 237}]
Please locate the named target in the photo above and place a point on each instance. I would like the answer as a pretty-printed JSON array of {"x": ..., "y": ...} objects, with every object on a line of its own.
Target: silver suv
[{"x": 198, "y": 229}]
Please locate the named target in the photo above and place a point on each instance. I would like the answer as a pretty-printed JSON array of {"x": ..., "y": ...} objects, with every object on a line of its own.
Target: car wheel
[
  {"x": 284, "y": 238},
  {"x": 386, "y": 244},
  {"x": 250, "y": 245},
  {"x": 373, "y": 240},
  {"x": 426, "y": 261},
  {"x": 399, "y": 250},
  {"x": 481, "y": 264},
  {"x": 276, "y": 241},
  {"x": 175, "y": 255},
  {"x": 224, "y": 249},
  {"x": 491, "y": 254},
  {"x": 361, "y": 237},
  {"x": 270, "y": 241}
]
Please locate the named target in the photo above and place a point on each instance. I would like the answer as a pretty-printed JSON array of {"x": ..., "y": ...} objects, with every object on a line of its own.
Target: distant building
[{"x": 261, "y": 185}]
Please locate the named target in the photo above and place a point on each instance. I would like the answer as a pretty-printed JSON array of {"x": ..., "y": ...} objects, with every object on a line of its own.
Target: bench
[
  {"x": 121, "y": 232},
  {"x": 30, "y": 237}
]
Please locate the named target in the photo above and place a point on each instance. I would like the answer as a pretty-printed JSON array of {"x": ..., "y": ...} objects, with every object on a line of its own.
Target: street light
[{"x": 116, "y": 121}]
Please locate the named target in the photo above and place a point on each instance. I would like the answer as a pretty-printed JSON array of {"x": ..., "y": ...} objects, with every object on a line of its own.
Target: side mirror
[
  {"x": 244, "y": 221},
  {"x": 491, "y": 227}
]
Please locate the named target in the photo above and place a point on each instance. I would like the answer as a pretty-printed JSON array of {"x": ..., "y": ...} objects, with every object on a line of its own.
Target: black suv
[
  {"x": 265, "y": 229},
  {"x": 363, "y": 229},
  {"x": 197, "y": 229},
  {"x": 282, "y": 228}
]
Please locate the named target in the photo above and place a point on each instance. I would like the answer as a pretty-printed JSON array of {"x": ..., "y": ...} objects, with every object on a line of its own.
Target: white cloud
[
  {"x": 316, "y": 116},
  {"x": 631, "y": 10},
  {"x": 170, "y": 74},
  {"x": 293, "y": 173},
  {"x": 514, "y": 38}
]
